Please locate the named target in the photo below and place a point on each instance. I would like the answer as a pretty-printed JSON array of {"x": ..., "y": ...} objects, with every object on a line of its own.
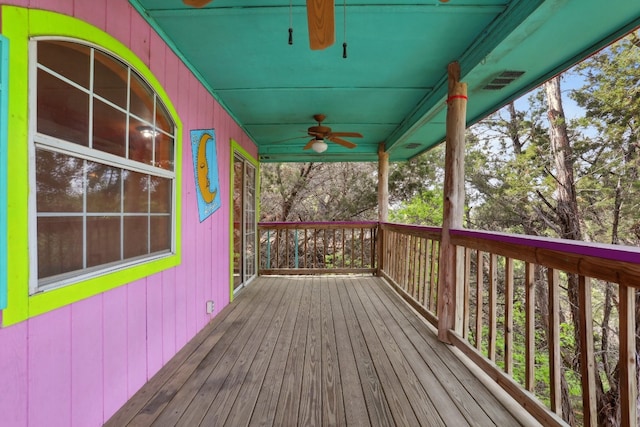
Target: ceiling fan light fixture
[{"x": 319, "y": 146}]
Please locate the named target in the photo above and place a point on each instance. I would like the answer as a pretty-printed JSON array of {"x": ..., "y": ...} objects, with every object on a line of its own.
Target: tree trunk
[{"x": 566, "y": 203}]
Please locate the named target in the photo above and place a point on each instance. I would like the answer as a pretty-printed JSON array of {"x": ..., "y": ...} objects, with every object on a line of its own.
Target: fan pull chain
[
  {"x": 290, "y": 22},
  {"x": 344, "y": 45}
]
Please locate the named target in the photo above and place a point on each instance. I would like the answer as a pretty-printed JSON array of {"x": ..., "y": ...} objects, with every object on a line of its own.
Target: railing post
[
  {"x": 628, "y": 381},
  {"x": 451, "y": 272}
]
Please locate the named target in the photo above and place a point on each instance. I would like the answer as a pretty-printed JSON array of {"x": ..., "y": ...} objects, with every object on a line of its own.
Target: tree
[
  {"x": 318, "y": 191},
  {"x": 610, "y": 99}
]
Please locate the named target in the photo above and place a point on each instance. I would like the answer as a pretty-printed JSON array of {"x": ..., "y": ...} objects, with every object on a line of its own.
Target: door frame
[{"x": 238, "y": 150}]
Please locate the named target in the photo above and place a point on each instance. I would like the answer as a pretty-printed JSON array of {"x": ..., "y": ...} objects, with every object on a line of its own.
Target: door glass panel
[
  {"x": 237, "y": 222},
  {"x": 250, "y": 221}
]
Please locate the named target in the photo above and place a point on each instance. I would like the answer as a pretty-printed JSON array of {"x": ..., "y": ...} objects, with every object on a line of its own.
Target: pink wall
[{"x": 79, "y": 364}]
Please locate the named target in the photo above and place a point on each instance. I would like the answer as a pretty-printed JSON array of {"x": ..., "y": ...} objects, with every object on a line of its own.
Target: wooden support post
[
  {"x": 450, "y": 291},
  {"x": 383, "y": 183},
  {"x": 383, "y": 201}
]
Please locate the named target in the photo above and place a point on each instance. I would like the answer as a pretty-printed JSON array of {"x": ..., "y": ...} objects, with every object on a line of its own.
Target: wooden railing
[
  {"x": 524, "y": 299},
  {"x": 409, "y": 261},
  {"x": 317, "y": 247},
  {"x": 519, "y": 301}
]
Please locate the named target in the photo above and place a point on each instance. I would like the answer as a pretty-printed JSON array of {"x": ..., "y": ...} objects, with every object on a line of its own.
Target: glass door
[{"x": 244, "y": 222}]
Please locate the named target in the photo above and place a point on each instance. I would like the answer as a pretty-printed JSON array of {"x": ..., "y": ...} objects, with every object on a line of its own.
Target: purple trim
[
  {"x": 311, "y": 224},
  {"x": 597, "y": 250}
]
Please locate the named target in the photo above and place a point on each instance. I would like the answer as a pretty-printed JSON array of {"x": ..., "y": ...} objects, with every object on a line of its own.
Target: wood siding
[{"x": 79, "y": 364}]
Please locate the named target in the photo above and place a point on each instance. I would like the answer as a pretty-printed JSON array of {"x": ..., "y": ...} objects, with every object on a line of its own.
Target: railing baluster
[
  {"x": 554, "y": 341},
  {"x": 493, "y": 299},
  {"x": 315, "y": 247},
  {"x": 427, "y": 272},
  {"x": 268, "y": 248},
  {"x": 295, "y": 239},
  {"x": 342, "y": 249},
  {"x": 362, "y": 264},
  {"x": 479, "y": 297},
  {"x": 286, "y": 244},
  {"x": 467, "y": 292},
  {"x": 409, "y": 260},
  {"x": 324, "y": 248},
  {"x": 433, "y": 291},
  {"x": 530, "y": 328},
  {"x": 420, "y": 281},
  {"x": 587, "y": 360},
  {"x": 304, "y": 262},
  {"x": 628, "y": 380},
  {"x": 278, "y": 248},
  {"x": 508, "y": 317}
]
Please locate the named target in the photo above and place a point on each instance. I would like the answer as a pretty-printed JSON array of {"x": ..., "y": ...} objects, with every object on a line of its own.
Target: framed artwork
[{"x": 205, "y": 168}]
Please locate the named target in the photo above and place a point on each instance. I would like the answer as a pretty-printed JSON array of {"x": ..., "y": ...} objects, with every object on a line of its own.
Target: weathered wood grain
[{"x": 330, "y": 351}]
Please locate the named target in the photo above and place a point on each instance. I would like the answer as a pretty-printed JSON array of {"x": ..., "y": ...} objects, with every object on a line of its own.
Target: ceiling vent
[
  {"x": 412, "y": 145},
  {"x": 503, "y": 79}
]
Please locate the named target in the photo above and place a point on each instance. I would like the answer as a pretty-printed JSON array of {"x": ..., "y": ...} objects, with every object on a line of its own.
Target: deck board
[{"x": 322, "y": 350}]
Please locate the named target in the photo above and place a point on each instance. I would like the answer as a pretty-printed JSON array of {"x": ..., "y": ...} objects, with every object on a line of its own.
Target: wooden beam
[
  {"x": 383, "y": 183},
  {"x": 450, "y": 305},
  {"x": 383, "y": 201}
]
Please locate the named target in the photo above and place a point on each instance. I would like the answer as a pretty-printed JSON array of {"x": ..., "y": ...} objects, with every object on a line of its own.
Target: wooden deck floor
[{"x": 315, "y": 351}]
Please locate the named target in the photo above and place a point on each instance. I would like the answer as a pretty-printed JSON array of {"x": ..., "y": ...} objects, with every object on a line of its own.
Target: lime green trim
[
  {"x": 19, "y": 25},
  {"x": 237, "y": 148}
]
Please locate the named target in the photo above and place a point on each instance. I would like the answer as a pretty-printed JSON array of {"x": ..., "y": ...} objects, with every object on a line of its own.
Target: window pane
[
  {"x": 136, "y": 196},
  {"x": 59, "y": 245},
  {"x": 141, "y": 103},
  {"x": 141, "y": 137},
  {"x": 160, "y": 195},
  {"x": 63, "y": 110},
  {"x": 110, "y": 79},
  {"x": 109, "y": 129},
  {"x": 103, "y": 240},
  {"x": 59, "y": 182},
  {"x": 71, "y": 60},
  {"x": 135, "y": 236},
  {"x": 163, "y": 120},
  {"x": 103, "y": 188},
  {"x": 164, "y": 152},
  {"x": 160, "y": 233}
]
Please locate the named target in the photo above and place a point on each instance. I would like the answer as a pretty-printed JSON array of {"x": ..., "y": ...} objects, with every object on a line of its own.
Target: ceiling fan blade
[
  {"x": 342, "y": 142},
  {"x": 321, "y": 20},
  {"x": 348, "y": 134},
  {"x": 309, "y": 144},
  {"x": 196, "y": 3}
]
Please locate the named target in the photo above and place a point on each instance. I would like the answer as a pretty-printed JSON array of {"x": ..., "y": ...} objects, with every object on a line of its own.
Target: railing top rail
[
  {"x": 620, "y": 253},
  {"x": 412, "y": 227},
  {"x": 318, "y": 224}
]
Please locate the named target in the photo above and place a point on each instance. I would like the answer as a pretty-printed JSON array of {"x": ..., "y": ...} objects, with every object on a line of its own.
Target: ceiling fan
[
  {"x": 321, "y": 133},
  {"x": 320, "y": 19}
]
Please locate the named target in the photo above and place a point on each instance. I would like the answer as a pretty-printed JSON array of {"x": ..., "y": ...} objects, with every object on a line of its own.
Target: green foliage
[{"x": 425, "y": 208}]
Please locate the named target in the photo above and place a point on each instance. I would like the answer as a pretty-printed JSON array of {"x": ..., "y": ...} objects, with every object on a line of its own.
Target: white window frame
[{"x": 47, "y": 142}]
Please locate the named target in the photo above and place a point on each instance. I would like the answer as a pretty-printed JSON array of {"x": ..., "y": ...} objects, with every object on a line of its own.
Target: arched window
[{"x": 103, "y": 165}]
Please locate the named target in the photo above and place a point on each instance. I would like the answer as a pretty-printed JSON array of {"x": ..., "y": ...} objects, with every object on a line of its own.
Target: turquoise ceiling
[{"x": 391, "y": 87}]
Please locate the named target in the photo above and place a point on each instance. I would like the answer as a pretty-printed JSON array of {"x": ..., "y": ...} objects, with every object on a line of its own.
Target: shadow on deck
[{"x": 323, "y": 350}]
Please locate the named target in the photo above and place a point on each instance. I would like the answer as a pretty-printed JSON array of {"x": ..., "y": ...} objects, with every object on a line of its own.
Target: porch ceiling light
[
  {"x": 147, "y": 131},
  {"x": 319, "y": 146}
]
